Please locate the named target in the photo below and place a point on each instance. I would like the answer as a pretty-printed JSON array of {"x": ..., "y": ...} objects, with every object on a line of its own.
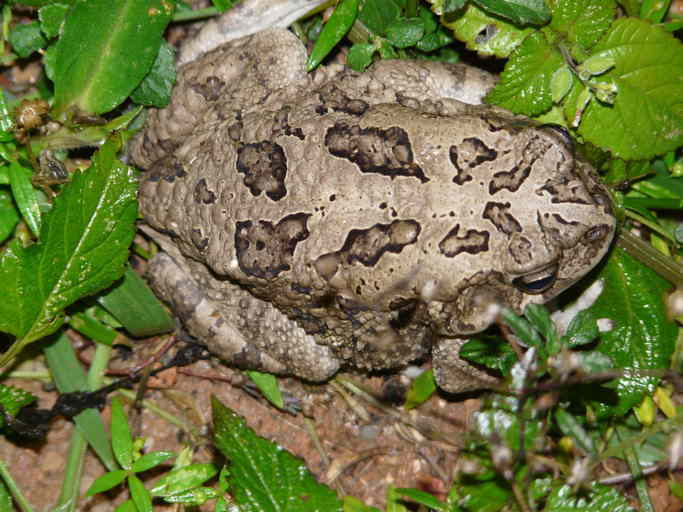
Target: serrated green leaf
[
  {"x": 601, "y": 497},
  {"x": 420, "y": 390},
  {"x": 524, "y": 85},
  {"x": 26, "y": 38},
  {"x": 268, "y": 385},
  {"x": 121, "y": 438},
  {"x": 406, "y": 32},
  {"x": 183, "y": 479},
  {"x": 646, "y": 118},
  {"x": 519, "y": 12},
  {"x": 83, "y": 249},
  {"x": 155, "y": 88},
  {"x": 51, "y": 18},
  {"x": 151, "y": 459},
  {"x": 107, "y": 481},
  {"x": 642, "y": 337},
  {"x": 105, "y": 51},
  {"x": 139, "y": 495},
  {"x": 336, "y": 27},
  {"x": 360, "y": 56},
  {"x": 485, "y": 34},
  {"x": 8, "y": 215},
  {"x": 25, "y": 195},
  {"x": 583, "y": 22},
  {"x": 263, "y": 475}
]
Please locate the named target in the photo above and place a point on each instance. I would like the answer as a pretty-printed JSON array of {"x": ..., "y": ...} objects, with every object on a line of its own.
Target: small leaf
[
  {"x": 596, "y": 65},
  {"x": 263, "y": 476},
  {"x": 405, "y": 33},
  {"x": 193, "y": 497},
  {"x": 183, "y": 479},
  {"x": 13, "y": 400},
  {"x": 524, "y": 85},
  {"x": 26, "y": 38},
  {"x": 654, "y": 10},
  {"x": 561, "y": 83},
  {"x": 570, "y": 426},
  {"x": 582, "y": 330},
  {"x": 139, "y": 495},
  {"x": 107, "y": 481},
  {"x": 155, "y": 88},
  {"x": 376, "y": 15},
  {"x": 360, "y": 56},
  {"x": 336, "y": 27},
  {"x": 269, "y": 386},
  {"x": 106, "y": 50},
  {"x": 420, "y": 390},
  {"x": 519, "y": 12},
  {"x": 121, "y": 438},
  {"x": 8, "y": 215},
  {"x": 25, "y": 195},
  {"x": 600, "y": 497},
  {"x": 422, "y": 497},
  {"x": 150, "y": 460},
  {"x": 646, "y": 117},
  {"x": 526, "y": 332},
  {"x": 51, "y": 18}
]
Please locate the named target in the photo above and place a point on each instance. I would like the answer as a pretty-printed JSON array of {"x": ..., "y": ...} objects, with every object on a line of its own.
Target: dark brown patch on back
[
  {"x": 510, "y": 180},
  {"x": 334, "y": 99},
  {"x": 264, "y": 166},
  {"x": 202, "y": 193},
  {"x": 566, "y": 190},
  {"x": 499, "y": 215},
  {"x": 521, "y": 249},
  {"x": 265, "y": 250},
  {"x": 467, "y": 155},
  {"x": 387, "y": 152},
  {"x": 211, "y": 89},
  {"x": 471, "y": 242}
]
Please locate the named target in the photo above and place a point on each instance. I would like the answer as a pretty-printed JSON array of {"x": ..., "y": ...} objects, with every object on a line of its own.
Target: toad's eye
[
  {"x": 562, "y": 132},
  {"x": 538, "y": 281}
]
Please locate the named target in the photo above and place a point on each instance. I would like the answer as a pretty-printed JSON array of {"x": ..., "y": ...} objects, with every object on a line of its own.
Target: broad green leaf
[
  {"x": 263, "y": 475},
  {"x": 121, "y": 438},
  {"x": 654, "y": 10},
  {"x": 155, "y": 88},
  {"x": 525, "y": 83},
  {"x": 139, "y": 495},
  {"x": 268, "y": 385},
  {"x": 420, "y": 390},
  {"x": 378, "y": 14},
  {"x": 646, "y": 118},
  {"x": 83, "y": 249},
  {"x": 519, "y": 12},
  {"x": 337, "y": 26},
  {"x": 8, "y": 215},
  {"x": 485, "y": 34},
  {"x": 150, "y": 460},
  {"x": 107, "y": 481},
  {"x": 106, "y": 49},
  {"x": 405, "y": 33},
  {"x": 642, "y": 337},
  {"x": 561, "y": 83},
  {"x": 583, "y": 22},
  {"x": 25, "y": 195},
  {"x": 183, "y": 479},
  {"x": 600, "y": 497},
  {"x": 13, "y": 399},
  {"x": 360, "y": 56},
  {"x": 26, "y": 38}
]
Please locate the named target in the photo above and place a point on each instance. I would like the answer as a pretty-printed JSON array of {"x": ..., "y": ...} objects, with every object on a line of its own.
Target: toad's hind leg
[
  {"x": 240, "y": 328},
  {"x": 454, "y": 374}
]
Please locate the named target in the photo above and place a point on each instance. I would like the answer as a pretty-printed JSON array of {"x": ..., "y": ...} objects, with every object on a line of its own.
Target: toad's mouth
[{"x": 538, "y": 281}]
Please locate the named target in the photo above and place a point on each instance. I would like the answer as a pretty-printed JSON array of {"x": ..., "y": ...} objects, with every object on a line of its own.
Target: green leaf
[
  {"x": 25, "y": 195},
  {"x": 583, "y": 22},
  {"x": 139, "y": 495},
  {"x": 422, "y": 497},
  {"x": 654, "y": 10},
  {"x": 485, "y": 34},
  {"x": 107, "y": 481},
  {"x": 378, "y": 14},
  {"x": 525, "y": 83},
  {"x": 561, "y": 83},
  {"x": 26, "y": 39},
  {"x": 8, "y": 215},
  {"x": 492, "y": 352},
  {"x": 519, "y": 12},
  {"x": 83, "y": 249},
  {"x": 523, "y": 329},
  {"x": 405, "y": 33},
  {"x": 539, "y": 317},
  {"x": 151, "y": 459},
  {"x": 155, "y": 88},
  {"x": 571, "y": 427},
  {"x": 642, "y": 337},
  {"x": 601, "y": 497},
  {"x": 269, "y": 386},
  {"x": 121, "y": 438},
  {"x": 360, "y": 56},
  {"x": 336, "y": 27},
  {"x": 51, "y": 18},
  {"x": 582, "y": 330},
  {"x": 6, "y": 504},
  {"x": 263, "y": 475},
  {"x": 224, "y": 5},
  {"x": 13, "y": 399},
  {"x": 133, "y": 304},
  {"x": 183, "y": 479},
  {"x": 484, "y": 496},
  {"x": 434, "y": 41},
  {"x": 106, "y": 50},
  {"x": 646, "y": 118},
  {"x": 194, "y": 497},
  {"x": 420, "y": 390}
]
